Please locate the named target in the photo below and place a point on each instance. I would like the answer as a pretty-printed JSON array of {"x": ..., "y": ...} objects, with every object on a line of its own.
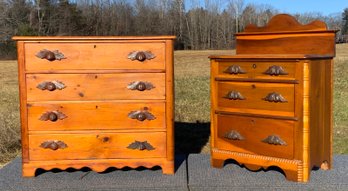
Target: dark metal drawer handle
[
  {"x": 141, "y": 115},
  {"x": 234, "y": 69},
  {"x": 233, "y": 135},
  {"x": 53, "y": 145},
  {"x": 141, "y": 55},
  {"x": 50, "y": 55},
  {"x": 140, "y": 86},
  {"x": 141, "y": 146},
  {"x": 52, "y": 116},
  {"x": 51, "y": 86},
  {"x": 275, "y": 71},
  {"x": 274, "y": 140},
  {"x": 275, "y": 97},
  {"x": 234, "y": 95}
]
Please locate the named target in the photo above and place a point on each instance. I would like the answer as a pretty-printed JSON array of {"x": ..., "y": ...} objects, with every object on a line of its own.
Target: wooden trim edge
[
  {"x": 256, "y": 80},
  {"x": 257, "y": 115}
]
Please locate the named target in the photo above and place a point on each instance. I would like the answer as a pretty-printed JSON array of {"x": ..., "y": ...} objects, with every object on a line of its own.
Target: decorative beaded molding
[
  {"x": 305, "y": 128},
  {"x": 297, "y": 162},
  {"x": 300, "y": 171}
]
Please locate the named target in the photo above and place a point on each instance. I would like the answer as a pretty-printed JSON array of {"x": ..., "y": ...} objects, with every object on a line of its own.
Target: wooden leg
[
  {"x": 325, "y": 166},
  {"x": 217, "y": 163},
  {"x": 168, "y": 168},
  {"x": 28, "y": 172}
]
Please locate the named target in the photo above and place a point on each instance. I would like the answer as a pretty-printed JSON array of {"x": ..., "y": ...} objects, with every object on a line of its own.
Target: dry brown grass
[
  {"x": 340, "y": 141},
  {"x": 192, "y": 103},
  {"x": 9, "y": 111},
  {"x": 342, "y": 51}
]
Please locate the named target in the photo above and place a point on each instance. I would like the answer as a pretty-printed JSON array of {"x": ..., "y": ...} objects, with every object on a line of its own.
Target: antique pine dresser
[
  {"x": 272, "y": 101},
  {"x": 96, "y": 102}
]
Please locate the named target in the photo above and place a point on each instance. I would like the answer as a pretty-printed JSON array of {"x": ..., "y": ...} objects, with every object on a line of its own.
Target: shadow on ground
[{"x": 191, "y": 137}]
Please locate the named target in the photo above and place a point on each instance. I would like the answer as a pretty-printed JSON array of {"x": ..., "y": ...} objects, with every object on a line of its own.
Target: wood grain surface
[
  {"x": 254, "y": 94},
  {"x": 95, "y": 87},
  {"x": 97, "y": 146},
  {"x": 95, "y": 115},
  {"x": 257, "y": 69},
  {"x": 254, "y": 130},
  {"x": 96, "y": 55}
]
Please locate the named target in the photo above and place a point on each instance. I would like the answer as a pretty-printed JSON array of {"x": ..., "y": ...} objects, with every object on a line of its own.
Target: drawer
[
  {"x": 258, "y": 69},
  {"x": 251, "y": 135},
  {"x": 94, "y": 56},
  {"x": 256, "y": 97},
  {"x": 95, "y": 86},
  {"x": 95, "y": 115},
  {"x": 97, "y": 146}
]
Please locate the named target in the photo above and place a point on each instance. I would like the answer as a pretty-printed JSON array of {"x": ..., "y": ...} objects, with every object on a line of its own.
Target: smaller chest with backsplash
[{"x": 272, "y": 102}]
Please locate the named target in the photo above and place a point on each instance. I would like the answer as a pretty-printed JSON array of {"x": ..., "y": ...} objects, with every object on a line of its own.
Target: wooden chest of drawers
[
  {"x": 272, "y": 108},
  {"x": 96, "y": 102}
]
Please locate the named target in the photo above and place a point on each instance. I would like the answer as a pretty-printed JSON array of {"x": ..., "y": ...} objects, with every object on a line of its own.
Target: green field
[{"x": 192, "y": 103}]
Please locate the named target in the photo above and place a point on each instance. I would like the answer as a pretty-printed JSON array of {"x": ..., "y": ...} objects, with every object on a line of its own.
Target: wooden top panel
[
  {"x": 285, "y": 23},
  {"x": 92, "y": 38},
  {"x": 285, "y": 35}
]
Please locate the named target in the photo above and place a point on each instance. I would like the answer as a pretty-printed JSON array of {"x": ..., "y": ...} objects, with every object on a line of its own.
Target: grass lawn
[{"x": 192, "y": 103}]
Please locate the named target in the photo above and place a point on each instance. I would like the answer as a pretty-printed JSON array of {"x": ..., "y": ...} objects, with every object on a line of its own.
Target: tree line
[{"x": 208, "y": 24}]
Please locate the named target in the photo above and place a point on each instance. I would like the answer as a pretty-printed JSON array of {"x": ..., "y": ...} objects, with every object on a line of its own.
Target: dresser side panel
[
  {"x": 328, "y": 111},
  {"x": 169, "y": 59},
  {"x": 213, "y": 102},
  {"x": 320, "y": 112},
  {"x": 23, "y": 101}
]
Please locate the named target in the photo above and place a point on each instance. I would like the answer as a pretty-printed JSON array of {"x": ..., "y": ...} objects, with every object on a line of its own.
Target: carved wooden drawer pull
[
  {"x": 51, "y": 86},
  {"x": 52, "y": 116},
  {"x": 141, "y": 146},
  {"x": 50, "y": 55},
  {"x": 53, "y": 145},
  {"x": 141, "y": 55},
  {"x": 234, "y": 69},
  {"x": 140, "y": 86},
  {"x": 275, "y": 71},
  {"x": 233, "y": 135},
  {"x": 275, "y": 97},
  {"x": 141, "y": 115},
  {"x": 274, "y": 140},
  {"x": 235, "y": 95}
]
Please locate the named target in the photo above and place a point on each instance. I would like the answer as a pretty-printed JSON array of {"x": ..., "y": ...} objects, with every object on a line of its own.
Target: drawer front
[
  {"x": 93, "y": 56},
  {"x": 97, "y": 146},
  {"x": 95, "y": 116},
  {"x": 258, "y": 70},
  {"x": 95, "y": 86},
  {"x": 261, "y": 136},
  {"x": 256, "y": 96}
]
